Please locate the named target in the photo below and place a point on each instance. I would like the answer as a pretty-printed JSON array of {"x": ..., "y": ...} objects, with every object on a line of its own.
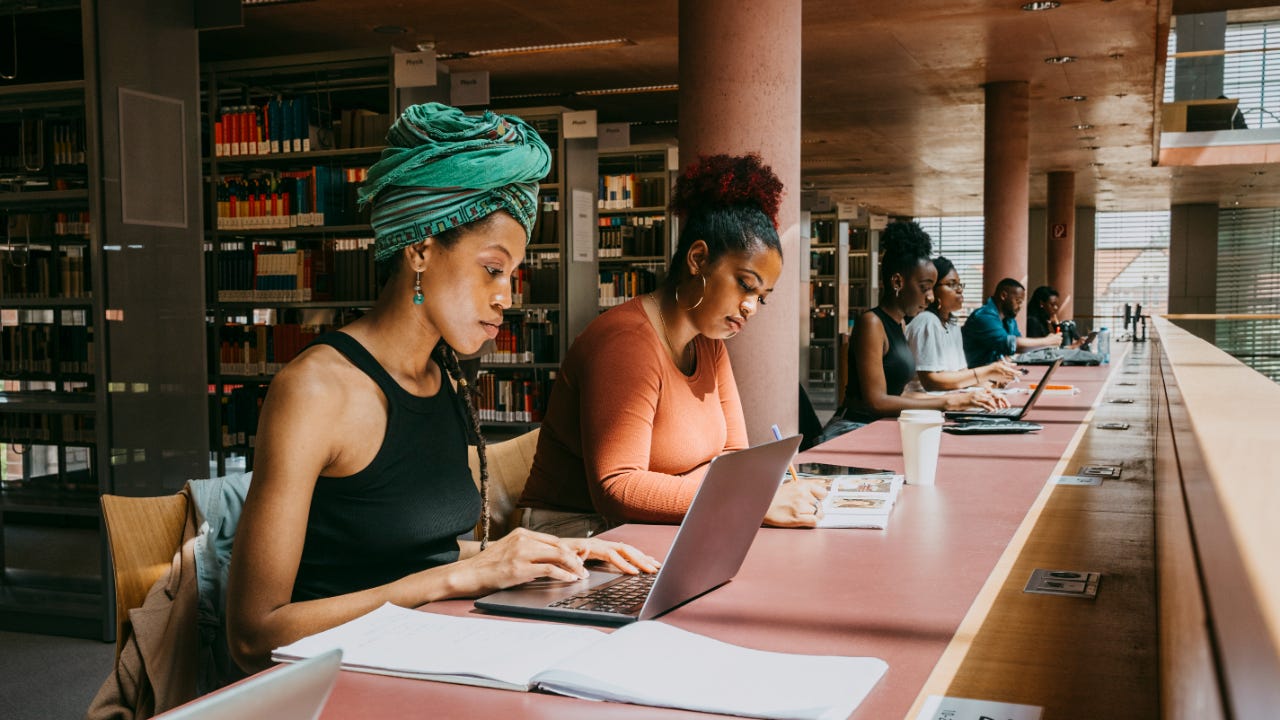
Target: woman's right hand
[
  {"x": 796, "y": 504},
  {"x": 1000, "y": 373},
  {"x": 519, "y": 557}
]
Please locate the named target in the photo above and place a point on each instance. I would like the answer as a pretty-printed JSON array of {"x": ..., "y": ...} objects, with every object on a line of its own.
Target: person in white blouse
[{"x": 935, "y": 340}]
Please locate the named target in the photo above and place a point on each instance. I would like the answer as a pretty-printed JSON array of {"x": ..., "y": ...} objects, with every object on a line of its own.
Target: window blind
[
  {"x": 960, "y": 240},
  {"x": 1250, "y": 72},
  {"x": 1131, "y": 264},
  {"x": 1249, "y": 283}
]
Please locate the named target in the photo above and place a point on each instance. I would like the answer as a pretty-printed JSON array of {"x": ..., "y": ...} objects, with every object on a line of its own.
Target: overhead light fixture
[
  {"x": 525, "y": 96},
  {"x": 1060, "y": 59},
  {"x": 1042, "y": 5},
  {"x": 1095, "y": 164},
  {"x": 1074, "y": 98},
  {"x": 1092, "y": 147},
  {"x": 531, "y": 49},
  {"x": 1259, "y": 172},
  {"x": 631, "y": 90},
  {"x": 1082, "y": 126},
  {"x": 1086, "y": 138}
]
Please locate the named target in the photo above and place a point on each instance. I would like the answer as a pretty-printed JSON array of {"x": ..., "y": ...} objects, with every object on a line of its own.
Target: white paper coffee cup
[{"x": 921, "y": 437}]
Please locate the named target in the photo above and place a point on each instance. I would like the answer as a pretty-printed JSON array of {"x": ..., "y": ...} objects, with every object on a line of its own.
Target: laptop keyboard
[
  {"x": 624, "y": 596},
  {"x": 988, "y": 427},
  {"x": 1011, "y": 412}
]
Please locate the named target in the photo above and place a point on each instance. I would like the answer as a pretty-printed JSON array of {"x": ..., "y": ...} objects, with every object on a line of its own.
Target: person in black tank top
[
  {"x": 880, "y": 359},
  {"x": 361, "y": 486}
]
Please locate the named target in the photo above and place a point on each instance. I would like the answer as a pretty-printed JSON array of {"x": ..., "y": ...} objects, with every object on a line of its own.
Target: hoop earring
[
  {"x": 417, "y": 289},
  {"x": 701, "y": 297}
]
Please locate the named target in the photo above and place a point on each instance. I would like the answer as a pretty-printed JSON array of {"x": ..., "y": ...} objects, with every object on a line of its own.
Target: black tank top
[
  {"x": 899, "y": 368},
  {"x": 403, "y": 512}
]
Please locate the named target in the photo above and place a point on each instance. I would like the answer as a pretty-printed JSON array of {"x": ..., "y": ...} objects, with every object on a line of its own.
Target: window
[
  {"x": 960, "y": 240},
  {"x": 1131, "y": 265},
  {"x": 1250, "y": 70},
  {"x": 1249, "y": 283}
]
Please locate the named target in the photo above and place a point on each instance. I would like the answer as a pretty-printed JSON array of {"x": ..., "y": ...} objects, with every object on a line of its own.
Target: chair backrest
[
  {"x": 143, "y": 533},
  {"x": 509, "y": 464}
]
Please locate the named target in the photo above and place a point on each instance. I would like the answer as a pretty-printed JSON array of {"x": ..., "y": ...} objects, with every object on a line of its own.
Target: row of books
[
  {"x": 30, "y": 349},
  {"x": 822, "y": 262},
  {"x": 280, "y": 125},
  {"x": 38, "y": 273},
  {"x": 546, "y": 225},
  {"x": 537, "y": 281},
  {"x": 622, "y": 236},
  {"x": 260, "y": 349},
  {"x": 361, "y": 128},
  {"x": 822, "y": 293},
  {"x": 822, "y": 232},
  {"x": 338, "y": 269},
  {"x": 619, "y": 286},
  {"x": 859, "y": 266},
  {"x": 822, "y": 323},
  {"x": 34, "y": 226},
  {"x": 43, "y": 427},
  {"x": 531, "y": 337},
  {"x": 822, "y": 357},
  {"x": 619, "y": 192},
  {"x": 239, "y": 409},
  {"x": 23, "y": 144},
  {"x": 512, "y": 399},
  {"x": 320, "y": 195}
]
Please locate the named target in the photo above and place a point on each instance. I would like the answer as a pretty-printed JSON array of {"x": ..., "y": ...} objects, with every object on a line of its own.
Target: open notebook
[{"x": 645, "y": 663}]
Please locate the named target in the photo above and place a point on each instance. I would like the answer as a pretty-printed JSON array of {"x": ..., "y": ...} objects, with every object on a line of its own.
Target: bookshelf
[
  {"x": 635, "y": 228},
  {"x": 288, "y": 255},
  {"x": 95, "y": 266},
  {"x": 828, "y": 304}
]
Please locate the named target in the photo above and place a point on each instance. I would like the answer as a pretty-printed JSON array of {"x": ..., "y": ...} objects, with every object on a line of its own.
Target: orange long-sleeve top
[{"x": 626, "y": 434}]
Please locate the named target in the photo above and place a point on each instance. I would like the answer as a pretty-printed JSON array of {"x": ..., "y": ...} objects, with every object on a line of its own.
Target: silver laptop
[
  {"x": 292, "y": 692},
  {"x": 708, "y": 549},
  {"x": 1010, "y": 413}
]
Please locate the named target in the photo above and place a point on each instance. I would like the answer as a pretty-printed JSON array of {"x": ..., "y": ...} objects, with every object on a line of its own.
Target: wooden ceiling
[{"x": 892, "y": 91}]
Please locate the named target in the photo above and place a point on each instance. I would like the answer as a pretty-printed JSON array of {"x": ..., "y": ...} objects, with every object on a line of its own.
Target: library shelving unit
[
  {"x": 636, "y": 228},
  {"x": 288, "y": 255},
  {"x": 85, "y": 406},
  {"x": 828, "y": 304}
]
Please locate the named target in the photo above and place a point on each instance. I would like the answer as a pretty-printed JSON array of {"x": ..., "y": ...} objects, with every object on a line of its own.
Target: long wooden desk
[{"x": 913, "y": 595}]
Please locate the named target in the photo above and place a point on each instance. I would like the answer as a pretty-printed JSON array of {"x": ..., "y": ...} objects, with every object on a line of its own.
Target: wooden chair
[
  {"x": 509, "y": 464},
  {"x": 143, "y": 533}
]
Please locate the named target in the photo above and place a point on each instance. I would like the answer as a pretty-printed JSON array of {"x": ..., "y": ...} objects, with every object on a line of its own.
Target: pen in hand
[{"x": 777, "y": 435}]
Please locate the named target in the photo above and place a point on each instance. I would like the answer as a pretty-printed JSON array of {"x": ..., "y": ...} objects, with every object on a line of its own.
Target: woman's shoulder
[{"x": 319, "y": 373}]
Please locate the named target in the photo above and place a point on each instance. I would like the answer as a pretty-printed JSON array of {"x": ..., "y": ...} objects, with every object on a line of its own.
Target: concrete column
[
  {"x": 1060, "y": 257},
  {"x": 1086, "y": 241},
  {"x": 1036, "y": 249},
  {"x": 740, "y": 93},
  {"x": 1005, "y": 186},
  {"x": 1193, "y": 265}
]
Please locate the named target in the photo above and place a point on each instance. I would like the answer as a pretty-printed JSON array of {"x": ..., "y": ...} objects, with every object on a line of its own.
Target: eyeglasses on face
[{"x": 955, "y": 285}]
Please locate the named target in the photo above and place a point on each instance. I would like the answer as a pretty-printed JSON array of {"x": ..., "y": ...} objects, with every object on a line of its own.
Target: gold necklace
[{"x": 666, "y": 336}]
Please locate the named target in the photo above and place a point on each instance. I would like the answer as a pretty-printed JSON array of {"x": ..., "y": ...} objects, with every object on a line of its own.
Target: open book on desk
[
  {"x": 857, "y": 500},
  {"x": 645, "y": 663}
]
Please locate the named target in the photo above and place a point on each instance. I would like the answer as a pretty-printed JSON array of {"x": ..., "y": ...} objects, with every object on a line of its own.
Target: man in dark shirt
[{"x": 991, "y": 332}]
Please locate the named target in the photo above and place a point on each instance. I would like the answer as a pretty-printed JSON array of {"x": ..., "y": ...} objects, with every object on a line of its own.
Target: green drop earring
[{"x": 417, "y": 289}]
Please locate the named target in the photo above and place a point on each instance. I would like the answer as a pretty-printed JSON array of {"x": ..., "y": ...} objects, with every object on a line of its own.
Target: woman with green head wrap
[{"x": 361, "y": 485}]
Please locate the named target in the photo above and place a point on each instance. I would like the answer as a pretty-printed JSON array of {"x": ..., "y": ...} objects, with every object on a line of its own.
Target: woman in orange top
[{"x": 645, "y": 398}]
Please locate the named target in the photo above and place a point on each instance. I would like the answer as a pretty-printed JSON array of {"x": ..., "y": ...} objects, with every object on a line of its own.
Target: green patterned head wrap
[{"x": 445, "y": 168}]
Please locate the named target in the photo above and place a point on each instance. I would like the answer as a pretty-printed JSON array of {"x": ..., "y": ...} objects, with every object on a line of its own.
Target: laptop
[
  {"x": 1009, "y": 413},
  {"x": 291, "y": 692},
  {"x": 708, "y": 549}
]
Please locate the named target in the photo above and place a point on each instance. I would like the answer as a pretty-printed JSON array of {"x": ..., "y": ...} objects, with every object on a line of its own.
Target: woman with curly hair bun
[
  {"x": 646, "y": 398},
  {"x": 880, "y": 359}
]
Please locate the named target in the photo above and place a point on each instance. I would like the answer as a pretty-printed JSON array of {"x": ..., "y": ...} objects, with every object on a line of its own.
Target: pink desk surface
[{"x": 897, "y": 594}]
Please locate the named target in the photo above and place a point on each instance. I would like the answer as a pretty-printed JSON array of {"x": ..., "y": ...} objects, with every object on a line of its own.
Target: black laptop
[{"x": 1009, "y": 413}]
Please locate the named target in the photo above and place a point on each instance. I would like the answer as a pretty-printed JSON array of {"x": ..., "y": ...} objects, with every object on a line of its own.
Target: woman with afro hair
[{"x": 645, "y": 397}]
